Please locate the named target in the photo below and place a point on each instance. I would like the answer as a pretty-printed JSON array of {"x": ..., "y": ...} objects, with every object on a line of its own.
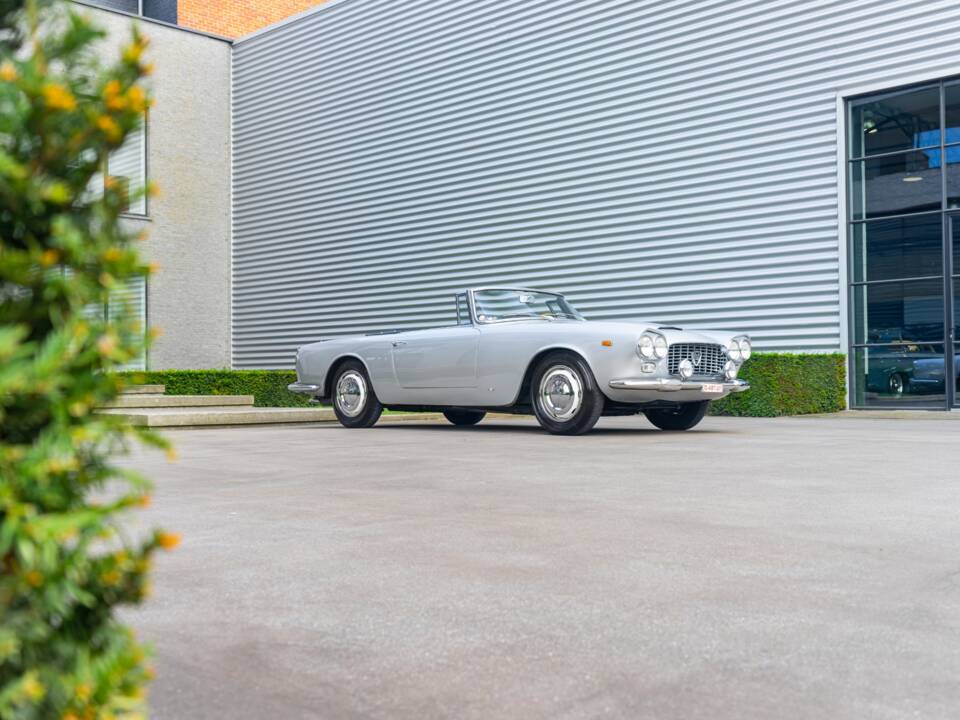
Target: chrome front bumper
[
  {"x": 303, "y": 389},
  {"x": 674, "y": 385}
]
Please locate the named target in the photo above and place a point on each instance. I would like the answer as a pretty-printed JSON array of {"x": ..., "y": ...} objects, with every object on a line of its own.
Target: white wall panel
[{"x": 659, "y": 159}]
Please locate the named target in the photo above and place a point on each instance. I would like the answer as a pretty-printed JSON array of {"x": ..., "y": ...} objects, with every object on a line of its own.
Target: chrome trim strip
[
  {"x": 303, "y": 388},
  {"x": 673, "y": 385}
]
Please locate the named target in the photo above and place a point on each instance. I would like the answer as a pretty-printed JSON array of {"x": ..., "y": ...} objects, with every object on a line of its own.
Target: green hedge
[
  {"x": 781, "y": 384},
  {"x": 788, "y": 384},
  {"x": 268, "y": 387}
]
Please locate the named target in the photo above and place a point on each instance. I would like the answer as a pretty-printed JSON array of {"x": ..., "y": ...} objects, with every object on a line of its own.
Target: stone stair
[{"x": 147, "y": 405}]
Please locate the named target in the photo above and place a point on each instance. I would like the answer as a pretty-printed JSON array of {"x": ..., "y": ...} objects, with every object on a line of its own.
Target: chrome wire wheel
[
  {"x": 560, "y": 393},
  {"x": 351, "y": 395}
]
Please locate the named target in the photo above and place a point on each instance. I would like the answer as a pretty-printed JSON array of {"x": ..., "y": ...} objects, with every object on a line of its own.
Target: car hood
[{"x": 673, "y": 333}]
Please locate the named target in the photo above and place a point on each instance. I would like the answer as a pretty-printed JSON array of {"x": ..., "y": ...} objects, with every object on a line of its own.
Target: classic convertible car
[{"x": 515, "y": 350}]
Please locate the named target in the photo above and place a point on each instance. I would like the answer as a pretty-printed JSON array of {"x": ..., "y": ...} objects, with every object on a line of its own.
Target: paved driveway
[{"x": 794, "y": 568}]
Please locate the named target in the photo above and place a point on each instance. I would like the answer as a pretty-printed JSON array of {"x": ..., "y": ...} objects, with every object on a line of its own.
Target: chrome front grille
[{"x": 711, "y": 358}]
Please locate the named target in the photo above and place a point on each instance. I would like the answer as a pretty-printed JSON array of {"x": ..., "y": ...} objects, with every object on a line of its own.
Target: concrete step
[
  {"x": 219, "y": 415},
  {"x": 143, "y": 390},
  {"x": 140, "y": 400},
  {"x": 226, "y": 416}
]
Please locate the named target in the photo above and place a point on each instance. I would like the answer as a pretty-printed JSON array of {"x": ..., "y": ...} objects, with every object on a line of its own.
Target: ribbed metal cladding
[{"x": 652, "y": 159}]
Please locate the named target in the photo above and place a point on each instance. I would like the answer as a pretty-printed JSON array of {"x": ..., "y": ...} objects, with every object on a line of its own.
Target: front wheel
[
  {"x": 564, "y": 394},
  {"x": 464, "y": 417},
  {"x": 683, "y": 417},
  {"x": 354, "y": 402},
  {"x": 897, "y": 384}
]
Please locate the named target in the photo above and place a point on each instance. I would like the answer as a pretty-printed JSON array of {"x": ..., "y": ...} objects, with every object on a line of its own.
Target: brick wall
[{"x": 233, "y": 18}]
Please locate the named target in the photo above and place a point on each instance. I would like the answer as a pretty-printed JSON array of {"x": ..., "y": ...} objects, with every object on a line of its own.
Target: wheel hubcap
[
  {"x": 896, "y": 385},
  {"x": 561, "y": 393},
  {"x": 351, "y": 393}
]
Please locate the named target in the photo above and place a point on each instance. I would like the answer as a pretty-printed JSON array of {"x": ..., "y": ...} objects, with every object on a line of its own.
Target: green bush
[
  {"x": 781, "y": 384},
  {"x": 66, "y": 566},
  {"x": 788, "y": 384},
  {"x": 268, "y": 387}
]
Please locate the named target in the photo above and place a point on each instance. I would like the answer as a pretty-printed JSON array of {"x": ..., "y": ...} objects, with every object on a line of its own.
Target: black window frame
[{"x": 950, "y": 275}]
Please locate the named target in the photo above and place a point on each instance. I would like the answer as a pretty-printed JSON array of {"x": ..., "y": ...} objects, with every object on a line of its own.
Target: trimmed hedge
[
  {"x": 788, "y": 384},
  {"x": 268, "y": 387},
  {"x": 781, "y": 384}
]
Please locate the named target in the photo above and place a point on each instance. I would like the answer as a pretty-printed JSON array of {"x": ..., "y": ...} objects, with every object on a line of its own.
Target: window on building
[
  {"x": 127, "y": 301},
  {"x": 904, "y": 191},
  {"x": 165, "y": 10},
  {"x": 127, "y": 168},
  {"x": 130, "y": 6}
]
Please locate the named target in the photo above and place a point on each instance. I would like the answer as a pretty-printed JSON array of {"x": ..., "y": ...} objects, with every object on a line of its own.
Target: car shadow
[{"x": 508, "y": 427}]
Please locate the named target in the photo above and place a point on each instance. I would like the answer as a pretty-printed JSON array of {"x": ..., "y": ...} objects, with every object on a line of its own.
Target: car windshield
[{"x": 496, "y": 305}]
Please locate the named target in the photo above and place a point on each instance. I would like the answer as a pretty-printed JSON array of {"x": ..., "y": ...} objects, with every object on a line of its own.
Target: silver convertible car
[{"x": 521, "y": 351}]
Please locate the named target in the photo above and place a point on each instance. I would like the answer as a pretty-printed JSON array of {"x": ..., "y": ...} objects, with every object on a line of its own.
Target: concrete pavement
[{"x": 791, "y": 568}]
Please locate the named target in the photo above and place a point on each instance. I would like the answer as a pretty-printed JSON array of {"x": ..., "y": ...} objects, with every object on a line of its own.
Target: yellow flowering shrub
[{"x": 65, "y": 568}]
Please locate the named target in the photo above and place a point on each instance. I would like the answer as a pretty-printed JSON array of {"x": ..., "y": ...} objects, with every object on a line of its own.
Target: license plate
[{"x": 710, "y": 388}]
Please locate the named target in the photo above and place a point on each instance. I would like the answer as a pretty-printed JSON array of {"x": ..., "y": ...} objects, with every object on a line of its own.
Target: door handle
[{"x": 399, "y": 343}]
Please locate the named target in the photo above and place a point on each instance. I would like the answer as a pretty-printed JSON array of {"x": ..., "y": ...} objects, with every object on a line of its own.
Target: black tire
[
  {"x": 357, "y": 389},
  {"x": 897, "y": 384},
  {"x": 464, "y": 417},
  {"x": 565, "y": 412},
  {"x": 684, "y": 417}
]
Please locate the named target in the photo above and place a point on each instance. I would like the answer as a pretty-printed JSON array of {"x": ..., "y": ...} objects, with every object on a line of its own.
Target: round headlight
[
  {"x": 645, "y": 346},
  {"x": 686, "y": 369},
  {"x": 730, "y": 370},
  {"x": 746, "y": 350},
  {"x": 733, "y": 352},
  {"x": 660, "y": 346}
]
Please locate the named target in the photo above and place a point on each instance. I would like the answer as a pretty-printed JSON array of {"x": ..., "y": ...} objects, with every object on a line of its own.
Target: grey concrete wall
[{"x": 188, "y": 156}]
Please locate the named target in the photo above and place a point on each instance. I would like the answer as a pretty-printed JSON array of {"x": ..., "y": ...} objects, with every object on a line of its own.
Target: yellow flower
[
  {"x": 153, "y": 267},
  {"x": 83, "y": 692},
  {"x": 111, "y": 577},
  {"x": 168, "y": 541},
  {"x": 33, "y": 688},
  {"x": 34, "y": 578},
  {"x": 154, "y": 332},
  {"x": 112, "y": 89},
  {"x": 116, "y": 103},
  {"x": 8, "y": 73},
  {"x": 49, "y": 257},
  {"x": 107, "y": 344},
  {"x": 137, "y": 99},
  {"x": 172, "y": 454},
  {"x": 77, "y": 409},
  {"x": 133, "y": 51},
  {"x": 58, "y": 97},
  {"x": 109, "y": 127},
  {"x": 144, "y": 501},
  {"x": 112, "y": 254}
]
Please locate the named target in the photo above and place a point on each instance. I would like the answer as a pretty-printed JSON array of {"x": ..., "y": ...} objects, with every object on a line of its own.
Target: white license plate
[{"x": 710, "y": 388}]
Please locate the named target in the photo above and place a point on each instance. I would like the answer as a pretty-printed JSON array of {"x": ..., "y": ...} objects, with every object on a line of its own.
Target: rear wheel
[
  {"x": 684, "y": 417},
  {"x": 354, "y": 402},
  {"x": 464, "y": 417},
  {"x": 564, "y": 394}
]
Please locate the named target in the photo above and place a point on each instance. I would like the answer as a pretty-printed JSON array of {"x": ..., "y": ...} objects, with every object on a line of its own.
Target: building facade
[
  {"x": 782, "y": 168},
  {"x": 185, "y": 149}
]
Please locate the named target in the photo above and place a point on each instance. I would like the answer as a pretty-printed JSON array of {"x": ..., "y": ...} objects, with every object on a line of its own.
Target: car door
[{"x": 436, "y": 358}]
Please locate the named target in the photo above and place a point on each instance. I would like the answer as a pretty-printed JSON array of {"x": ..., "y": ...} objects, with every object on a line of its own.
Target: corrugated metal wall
[{"x": 658, "y": 159}]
